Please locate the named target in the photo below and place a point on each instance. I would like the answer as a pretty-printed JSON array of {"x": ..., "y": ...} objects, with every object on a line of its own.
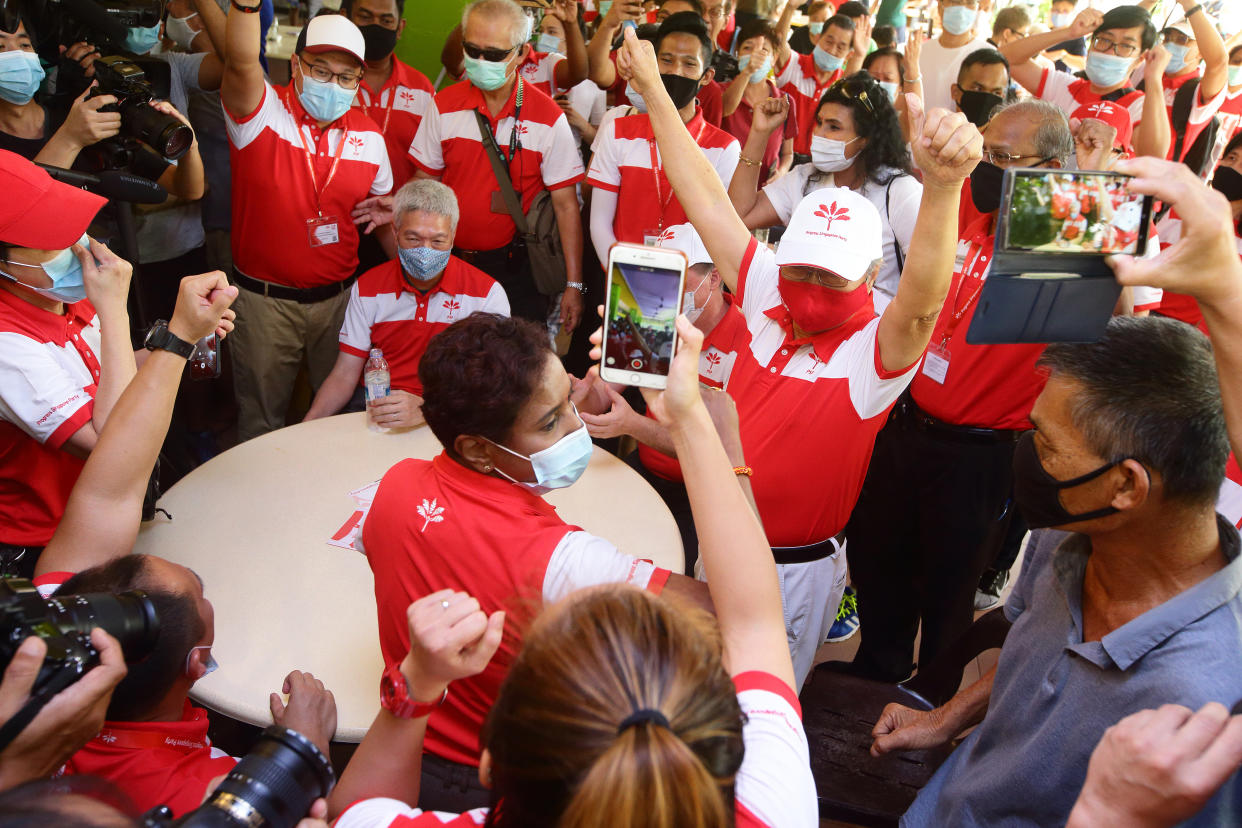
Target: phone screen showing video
[
  {"x": 1075, "y": 212},
  {"x": 642, "y": 310}
]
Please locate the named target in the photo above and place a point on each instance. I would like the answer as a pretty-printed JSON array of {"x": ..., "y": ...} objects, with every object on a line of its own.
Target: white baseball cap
[
  {"x": 1182, "y": 26},
  {"x": 332, "y": 33},
  {"x": 685, "y": 238},
  {"x": 835, "y": 229}
]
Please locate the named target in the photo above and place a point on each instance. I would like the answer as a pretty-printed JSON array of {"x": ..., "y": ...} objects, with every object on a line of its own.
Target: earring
[{"x": 487, "y": 469}]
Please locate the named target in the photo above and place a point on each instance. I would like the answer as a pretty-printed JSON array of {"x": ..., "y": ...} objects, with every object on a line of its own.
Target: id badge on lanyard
[
  {"x": 936, "y": 361},
  {"x": 322, "y": 230}
]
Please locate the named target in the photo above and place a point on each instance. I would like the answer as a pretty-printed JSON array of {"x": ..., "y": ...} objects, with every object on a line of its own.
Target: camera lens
[
  {"x": 272, "y": 787},
  {"x": 163, "y": 133},
  {"x": 128, "y": 617}
]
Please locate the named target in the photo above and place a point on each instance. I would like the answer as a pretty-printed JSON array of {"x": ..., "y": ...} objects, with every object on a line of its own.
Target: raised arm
[
  {"x": 1021, "y": 54},
  {"x": 1212, "y": 50},
  {"x": 751, "y": 204},
  {"x": 452, "y": 56},
  {"x": 213, "y": 21},
  {"x": 694, "y": 179},
  {"x": 1153, "y": 135},
  {"x": 105, "y": 508},
  {"x": 782, "y": 35},
  {"x": 574, "y": 69},
  {"x": 946, "y": 148},
  {"x": 241, "y": 88}
]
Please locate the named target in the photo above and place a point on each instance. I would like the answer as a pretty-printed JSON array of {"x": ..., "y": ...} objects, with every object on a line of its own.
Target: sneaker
[
  {"x": 847, "y": 622},
  {"x": 991, "y": 585}
]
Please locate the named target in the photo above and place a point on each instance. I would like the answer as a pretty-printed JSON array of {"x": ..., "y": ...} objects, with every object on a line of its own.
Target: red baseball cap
[
  {"x": 38, "y": 211},
  {"x": 1115, "y": 116}
]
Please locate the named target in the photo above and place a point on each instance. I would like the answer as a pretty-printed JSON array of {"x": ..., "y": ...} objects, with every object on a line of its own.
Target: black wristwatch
[{"x": 160, "y": 337}]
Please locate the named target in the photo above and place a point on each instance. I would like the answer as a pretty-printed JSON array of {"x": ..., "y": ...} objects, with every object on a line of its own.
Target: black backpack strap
[
  {"x": 1183, "y": 103},
  {"x": 901, "y": 259}
]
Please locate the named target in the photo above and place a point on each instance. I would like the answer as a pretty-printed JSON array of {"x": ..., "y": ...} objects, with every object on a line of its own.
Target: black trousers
[
  {"x": 511, "y": 268},
  {"x": 925, "y": 527},
  {"x": 450, "y": 787}
]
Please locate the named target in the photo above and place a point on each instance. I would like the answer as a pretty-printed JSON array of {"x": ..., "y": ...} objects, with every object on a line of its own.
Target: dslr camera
[
  {"x": 127, "y": 81},
  {"x": 64, "y": 622}
]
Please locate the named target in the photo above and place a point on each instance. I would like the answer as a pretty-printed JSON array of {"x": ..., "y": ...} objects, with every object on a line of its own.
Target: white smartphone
[{"x": 640, "y": 311}]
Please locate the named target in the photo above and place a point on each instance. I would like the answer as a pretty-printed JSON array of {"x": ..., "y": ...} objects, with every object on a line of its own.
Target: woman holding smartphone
[{"x": 621, "y": 709}]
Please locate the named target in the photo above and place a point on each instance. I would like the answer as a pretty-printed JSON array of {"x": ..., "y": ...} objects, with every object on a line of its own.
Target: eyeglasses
[
  {"x": 855, "y": 92},
  {"x": 1177, "y": 38},
  {"x": 1103, "y": 44},
  {"x": 814, "y": 275},
  {"x": 1004, "y": 159},
  {"x": 345, "y": 80},
  {"x": 490, "y": 55}
]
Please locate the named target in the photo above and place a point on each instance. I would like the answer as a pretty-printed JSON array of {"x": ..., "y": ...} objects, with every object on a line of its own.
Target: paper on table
[{"x": 349, "y": 536}]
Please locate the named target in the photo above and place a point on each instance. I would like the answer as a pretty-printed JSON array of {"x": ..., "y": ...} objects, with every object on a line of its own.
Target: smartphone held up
[{"x": 644, "y": 293}]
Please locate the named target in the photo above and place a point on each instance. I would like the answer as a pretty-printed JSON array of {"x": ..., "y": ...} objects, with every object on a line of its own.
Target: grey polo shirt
[{"x": 1055, "y": 695}]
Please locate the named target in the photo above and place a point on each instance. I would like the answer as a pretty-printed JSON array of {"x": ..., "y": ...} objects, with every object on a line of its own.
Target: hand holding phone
[{"x": 644, "y": 292}]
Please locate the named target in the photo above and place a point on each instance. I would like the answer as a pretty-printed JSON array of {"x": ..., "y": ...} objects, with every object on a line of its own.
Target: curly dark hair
[
  {"x": 478, "y": 373},
  {"x": 874, "y": 119}
]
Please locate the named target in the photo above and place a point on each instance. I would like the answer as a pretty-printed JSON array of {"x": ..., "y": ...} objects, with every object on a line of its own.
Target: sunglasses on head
[
  {"x": 856, "y": 92},
  {"x": 490, "y": 55}
]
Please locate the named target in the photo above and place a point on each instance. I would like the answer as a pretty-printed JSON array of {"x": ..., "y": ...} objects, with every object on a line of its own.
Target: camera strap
[
  {"x": 148, "y": 740},
  {"x": 310, "y": 166}
]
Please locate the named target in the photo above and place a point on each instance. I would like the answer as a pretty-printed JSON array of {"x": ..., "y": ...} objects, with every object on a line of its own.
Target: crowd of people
[{"x": 841, "y": 456}]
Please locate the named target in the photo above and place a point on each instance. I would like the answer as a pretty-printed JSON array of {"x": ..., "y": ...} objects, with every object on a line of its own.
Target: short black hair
[
  {"x": 1235, "y": 50},
  {"x": 885, "y": 52},
  {"x": 347, "y": 7},
  {"x": 697, "y": 5},
  {"x": 840, "y": 21},
  {"x": 1012, "y": 18},
  {"x": 759, "y": 28},
  {"x": 884, "y": 36},
  {"x": 1130, "y": 17},
  {"x": 691, "y": 24},
  {"x": 982, "y": 57},
  {"x": 852, "y": 8},
  {"x": 1150, "y": 392},
  {"x": 181, "y": 627}
]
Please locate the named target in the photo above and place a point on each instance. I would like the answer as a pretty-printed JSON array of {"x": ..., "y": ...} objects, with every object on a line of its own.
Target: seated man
[
  {"x": 400, "y": 305},
  {"x": 1140, "y": 606},
  {"x": 154, "y": 744}
]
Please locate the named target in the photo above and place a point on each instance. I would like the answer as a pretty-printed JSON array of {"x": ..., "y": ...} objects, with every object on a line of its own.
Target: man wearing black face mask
[
  {"x": 392, "y": 92},
  {"x": 982, "y": 85},
  {"x": 633, "y": 200}
]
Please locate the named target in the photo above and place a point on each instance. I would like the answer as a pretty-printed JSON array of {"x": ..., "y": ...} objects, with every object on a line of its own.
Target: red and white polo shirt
[
  {"x": 809, "y": 410},
  {"x": 437, "y": 524},
  {"x": 1200, "y": 114},
  {"x": 448, "y": 145},
  {"x": 385, "y": 312},
  {"x": 397, "y": 108},
  {"x": 273, "y": 151},
  {"x": 1069, "y": 92},
  {"x": 1229, "y": 502},
  {"x": 628, "y": 162},
  {"x": 1230, "y": 115},
  {"x": 797, "y": 78},
  {"x": 773, "y": 789},
  {"x": 539, "y": 70},
  {"x": 721, "y": 346},
  {"x": 48, "y": 375},
  {"x": 156, "y": 763}
]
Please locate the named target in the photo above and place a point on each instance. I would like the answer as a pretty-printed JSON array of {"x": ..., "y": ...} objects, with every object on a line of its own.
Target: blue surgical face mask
[
  {"x": 140, "y": 41},
  {"x": 210, "y": 667},
  {"x": 1235, "y": 75},
  {"x": 1177, "y": 58},
  {"x": 691, "y": 310},
  {"x": 64, "y": 270},
  {"x": 20, "y": 76},
  {"x": 816, "y": 27},
  {"x": 760, "y": 72},
  {"x": 891, "y": 88},
  {"x": 1107, "y": 70},
  {"x": 487, "y": 74},
  {"x": 560, "y": 464},
  {"x": 423, "y": 263},
  {"x": 635, "y": 99},
  {"x": 548, "y": 43},
  {"x": 958, "y": 20},
  {"x": 1059, "y": 20},
  {"x": 325, "y": 100},
  {"x": 826, "y": 62}
]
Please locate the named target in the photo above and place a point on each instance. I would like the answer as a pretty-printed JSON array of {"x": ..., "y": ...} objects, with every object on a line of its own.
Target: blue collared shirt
[{"x": 1055, "y": 694}]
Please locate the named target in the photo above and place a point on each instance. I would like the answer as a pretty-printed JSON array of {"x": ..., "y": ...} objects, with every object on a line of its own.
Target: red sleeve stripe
[
  {"x": 768, "y": 683},
  {"x": 879, "y": 363},
  {"x": 659, "y": 577},
  {"x": 256, "y": 111},
  {"x": 350, "y": 349},
  {"x": 747, "y": 258},
  {"x": 67, "y": 429},
  {"x": 612, "y": 188}
]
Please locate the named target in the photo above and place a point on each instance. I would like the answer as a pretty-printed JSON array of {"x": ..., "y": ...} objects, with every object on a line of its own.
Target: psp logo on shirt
[{"x": 354, "y": 145}]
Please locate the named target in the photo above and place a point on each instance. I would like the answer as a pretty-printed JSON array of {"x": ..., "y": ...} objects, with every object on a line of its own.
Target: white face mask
[
  {"x": 635, "y": 99},
  {"x": 178, "y": 30},
  {"x": 560, "y": 464},
  {"x": 687, "y": 304},
  {"x": 828, "y": 154},
  {"x": 210, "y": 667}
]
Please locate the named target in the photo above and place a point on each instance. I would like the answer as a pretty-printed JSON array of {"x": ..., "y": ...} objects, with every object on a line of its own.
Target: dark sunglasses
[{"x": 490, "y": 55}]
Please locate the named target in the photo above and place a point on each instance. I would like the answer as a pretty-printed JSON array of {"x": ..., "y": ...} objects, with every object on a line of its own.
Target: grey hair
[
  {"x": 428, "y": 196},
  {"x": 520, "y": 23},
  {"x": 1053, "y": 138},
  {"x": 1149, "y": 391}
]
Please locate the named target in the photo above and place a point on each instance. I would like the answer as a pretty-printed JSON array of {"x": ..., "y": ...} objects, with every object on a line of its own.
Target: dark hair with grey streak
[
  {"x": 1150, "y": 392},
  {"x": 1053, "y": 138}
]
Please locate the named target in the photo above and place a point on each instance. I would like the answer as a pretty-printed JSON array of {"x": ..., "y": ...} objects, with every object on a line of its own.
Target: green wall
[{"x": 427, "y": 23}]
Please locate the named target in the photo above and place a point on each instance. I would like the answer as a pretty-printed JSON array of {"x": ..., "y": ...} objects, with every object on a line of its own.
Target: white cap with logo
[
  {"x": 332, "y": 33},
  {"x": 834, "y": 229},
  {"x": 685, "y": 238}
]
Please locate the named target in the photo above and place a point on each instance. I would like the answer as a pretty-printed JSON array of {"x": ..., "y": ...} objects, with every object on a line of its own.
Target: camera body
[
  {"x": 725, "y": 65},
  {"x": 65, "y": 622},
  {"x": 127, "y": 81}
]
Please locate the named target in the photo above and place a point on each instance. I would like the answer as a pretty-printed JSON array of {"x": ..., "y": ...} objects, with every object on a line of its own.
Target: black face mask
[
  {"x": 1037, "y": 492},
  {"x": 978, "y": 106},
  {"x": 1228, "y": 181},
  {"x": 681, "y": 89},
  {"x": 379, "y": 41},
  {"x": 985, "y": 187}
]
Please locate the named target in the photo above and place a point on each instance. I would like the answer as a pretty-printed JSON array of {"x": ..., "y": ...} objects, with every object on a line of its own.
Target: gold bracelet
[
  {"x": 741, "y": 471},
  {"x": 750, "y": 162}
]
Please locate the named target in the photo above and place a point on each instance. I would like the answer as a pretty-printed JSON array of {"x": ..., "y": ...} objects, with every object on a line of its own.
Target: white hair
[
  {"x": 520, "y": 23},
  {"x": 428, "y": 196}
]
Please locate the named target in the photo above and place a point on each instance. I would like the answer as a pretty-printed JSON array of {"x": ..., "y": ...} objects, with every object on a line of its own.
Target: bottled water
[{"x": 376, "y": 378}]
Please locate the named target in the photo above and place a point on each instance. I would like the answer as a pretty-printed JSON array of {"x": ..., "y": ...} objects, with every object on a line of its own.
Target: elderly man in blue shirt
[{"x": 1142, "y": 604}]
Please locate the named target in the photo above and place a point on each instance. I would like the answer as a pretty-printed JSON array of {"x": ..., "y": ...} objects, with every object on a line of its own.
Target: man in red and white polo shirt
[
  {"x": 400, "y": 305},
  {"x": 725, "y": 336},
  {"x": 1191, "y": 41},
  {"x": 821, "y": 372},
  {"x": 535, "y": 143},
  {"x": 392, "y": 92},
  {"x": 633, "y": 200},
  {"x": 65, "y": 354},
  {"x": 1231, "y": 109},
  {"x": 302, "y": 159},
  {"x": 1121, "y": 40},
  {"x": 805, "y": 78}
]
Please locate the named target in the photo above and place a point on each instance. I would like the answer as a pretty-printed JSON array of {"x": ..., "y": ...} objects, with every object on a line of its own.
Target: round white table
[{"x": 255, "y": 521}]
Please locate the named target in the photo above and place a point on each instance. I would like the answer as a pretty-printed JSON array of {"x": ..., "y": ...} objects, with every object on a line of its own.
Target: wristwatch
[
  {"x": 160, "y": 337},
  {"x": 578, "y": 286},
  {"x": 395, "y": 696}
]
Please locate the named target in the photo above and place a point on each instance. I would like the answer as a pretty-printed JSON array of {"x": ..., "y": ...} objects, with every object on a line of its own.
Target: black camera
[
  {"x": 273, "y": 786},
  {"x": 726, "y": 68},
  {"x": 127, "y": 81},
  {"x": 65, "y": 622}
]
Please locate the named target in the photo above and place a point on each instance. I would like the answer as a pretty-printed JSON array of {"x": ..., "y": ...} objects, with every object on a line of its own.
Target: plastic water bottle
[{"x": 376, "y": 378}]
